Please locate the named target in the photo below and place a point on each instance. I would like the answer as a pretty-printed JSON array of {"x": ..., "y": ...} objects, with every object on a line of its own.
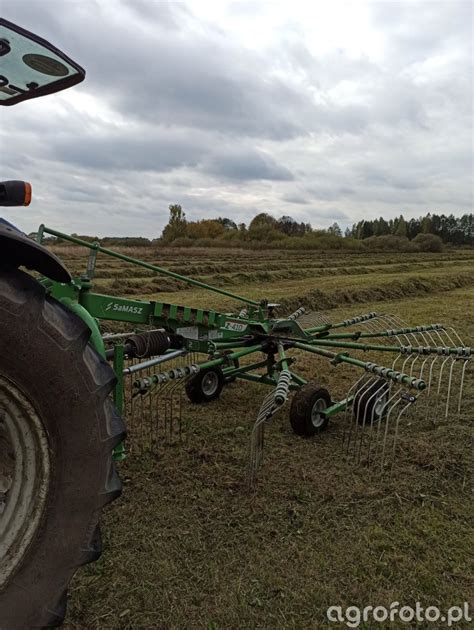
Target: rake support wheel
[
  {"x": 57, "y": 431},
  {"x": 205, "y": 386},
  {"x": 307, "y": 410}
]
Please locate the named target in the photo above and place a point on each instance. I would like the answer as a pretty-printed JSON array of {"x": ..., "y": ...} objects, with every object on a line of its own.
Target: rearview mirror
[{"x": 31, "y": 67}]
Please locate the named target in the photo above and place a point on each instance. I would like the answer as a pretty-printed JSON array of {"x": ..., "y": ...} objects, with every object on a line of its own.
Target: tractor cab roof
[{"x": 31, "y": 67}]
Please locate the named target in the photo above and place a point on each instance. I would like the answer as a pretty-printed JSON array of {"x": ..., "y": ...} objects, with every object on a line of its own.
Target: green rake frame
[{"x": 203, "y": 349}]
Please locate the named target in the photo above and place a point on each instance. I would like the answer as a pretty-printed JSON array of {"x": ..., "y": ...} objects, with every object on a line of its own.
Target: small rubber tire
[
  {"x": 367, "y": 407},
  {"x": 46, "y": 361},
  {"x": 307, "y": 402},
  {"x": 205, "y": 386}
]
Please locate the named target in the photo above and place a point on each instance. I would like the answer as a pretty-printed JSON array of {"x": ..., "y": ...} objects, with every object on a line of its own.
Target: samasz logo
[{"x": 124, "y": 308}]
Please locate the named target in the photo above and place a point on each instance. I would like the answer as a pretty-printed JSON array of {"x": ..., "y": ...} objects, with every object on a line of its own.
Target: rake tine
[
  {"x": 388, "y": 405},
  {"x": 455, "y": 333},
  {"x": 257, "y": 436},
  {"x": 463, "y": 372},
  {"x": 346, "y": 438},
  {"x": 425, "y": 335},
  {"x": 271, "y": 403},
  {"x": 368, "y": 402},
  {"x": 311, "y": 318},
  {"x": 395, "y": 322},
  {"x": 390, "y": 387},
  {"x": 428, "y": 391},
  {"x": 363, "y": 383},
  {"x": 410, "y": 400},
  {"x": 450, "y": 380},
  {"x": 387, "y": 425}
]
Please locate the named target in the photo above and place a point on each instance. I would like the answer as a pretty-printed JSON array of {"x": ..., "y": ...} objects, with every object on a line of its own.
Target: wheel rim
[
  {"x": 318, "y": 418},
  {"x": 210, "y": 383},
  {"x": 24, "y": 475}
]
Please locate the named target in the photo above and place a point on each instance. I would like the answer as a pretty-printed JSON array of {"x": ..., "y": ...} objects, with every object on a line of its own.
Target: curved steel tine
[
  {"x": 450, "y": 380},
  {"x": 441, "y": 373},
  {"x": 373, "y": 398},
  {"x": 397, "y": 322},
  {"x": 455, "y": 333},
  {"x": 429, "y": 390},
  {"x": 391, "y": 321},
  {"x": 356, "y": 408},
  {"x": 391, "y": 386},
  {"x": 409, "y": 403},
  {"x": 445, "y": 332},
  {"x": 407, "y": 358},
  {"x": 346, "y": 438},
  {"x": 463, "y": 372},
  {"x": 438, "y": 388},
  {"x": 387, "y": 425},
  {"x": 395, "y": 360},
  {"x": 394, "y": 396},
  {"x": 267, "y": 408},
  {"x": 313, "y": 318}
]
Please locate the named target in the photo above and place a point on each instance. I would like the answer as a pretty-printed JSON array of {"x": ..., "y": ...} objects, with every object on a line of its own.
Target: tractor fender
[{"x": 17, "y": 250}]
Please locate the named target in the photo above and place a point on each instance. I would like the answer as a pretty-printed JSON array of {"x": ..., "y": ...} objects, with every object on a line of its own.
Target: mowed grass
[{"x": 189, "y": 546}]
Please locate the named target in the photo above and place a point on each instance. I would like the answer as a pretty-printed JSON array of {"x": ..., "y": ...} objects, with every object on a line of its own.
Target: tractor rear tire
[
  {"x": 307, "y": 410},
  {"x": 58, "y": 427},
  {"x": 205, "y": 386}
]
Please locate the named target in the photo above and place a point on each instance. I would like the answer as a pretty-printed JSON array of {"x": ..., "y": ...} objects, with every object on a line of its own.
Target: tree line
[
  {"x": 450, "y": 229},
  {"x": 427, "y": 233}
]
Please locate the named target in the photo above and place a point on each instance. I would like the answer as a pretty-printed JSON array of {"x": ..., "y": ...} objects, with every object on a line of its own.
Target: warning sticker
[
  {"x": 190, "y": 332},
  {"x": 215, "y": 334}
]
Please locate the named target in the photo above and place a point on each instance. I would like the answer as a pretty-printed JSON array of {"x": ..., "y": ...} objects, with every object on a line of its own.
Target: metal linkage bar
[
  {"x": 169, "y": 356},
  {"x": 141, "y": 263},
  {"x": 144, "y": 385}
]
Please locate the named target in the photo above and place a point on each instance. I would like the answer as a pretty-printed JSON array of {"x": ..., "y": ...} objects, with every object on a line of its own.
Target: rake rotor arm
[
  {"x": 344, "y": 324},
  {"x": 462, "y": 351},
  {"x": 359, "y": 334}
]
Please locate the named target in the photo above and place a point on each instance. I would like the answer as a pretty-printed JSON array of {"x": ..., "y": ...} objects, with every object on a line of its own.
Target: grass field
[{"x": 189, "y": 546}]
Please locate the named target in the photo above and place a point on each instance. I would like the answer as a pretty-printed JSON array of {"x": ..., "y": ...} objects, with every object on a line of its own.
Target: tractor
[{"x": 58, "y": 424}]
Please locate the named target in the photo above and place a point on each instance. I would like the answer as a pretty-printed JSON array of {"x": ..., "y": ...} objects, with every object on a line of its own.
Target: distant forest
[{"x": 430, "y": 233}]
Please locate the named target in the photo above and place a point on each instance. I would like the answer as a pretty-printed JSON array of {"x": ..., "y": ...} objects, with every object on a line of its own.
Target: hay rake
[{"x": 174, "y": 348}]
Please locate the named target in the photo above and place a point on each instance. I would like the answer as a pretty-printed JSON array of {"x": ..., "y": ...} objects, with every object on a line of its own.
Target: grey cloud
[
  {"x": 191, "y": 115},
  {"x": 159, "y": 152},
  {"x": 247, "y": 165},
  {"x": 169, "y": 14},
  {"x": 201, "y": 81},
  {"x": 295, "y": 198}
]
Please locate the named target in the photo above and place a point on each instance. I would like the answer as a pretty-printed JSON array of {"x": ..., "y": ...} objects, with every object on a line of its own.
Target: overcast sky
[{"x": 325, "y": 111}]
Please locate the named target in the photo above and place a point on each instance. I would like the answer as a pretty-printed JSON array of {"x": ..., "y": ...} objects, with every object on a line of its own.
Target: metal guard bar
[{"x": 141, "y": 263}]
